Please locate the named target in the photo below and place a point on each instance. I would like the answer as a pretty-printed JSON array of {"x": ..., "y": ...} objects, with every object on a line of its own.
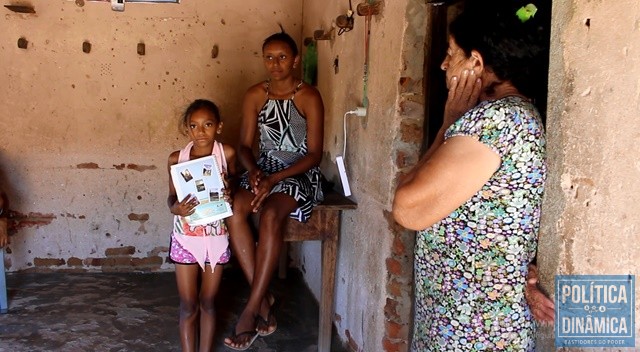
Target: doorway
[{"x": 439, "y": 14}]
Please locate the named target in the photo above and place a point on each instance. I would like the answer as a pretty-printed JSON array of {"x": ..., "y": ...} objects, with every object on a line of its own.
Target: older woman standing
[{"x": 475, "y": 196}]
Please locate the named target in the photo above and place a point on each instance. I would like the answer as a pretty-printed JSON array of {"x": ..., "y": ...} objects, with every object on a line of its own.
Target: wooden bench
[{"x": 324, "y": 225}]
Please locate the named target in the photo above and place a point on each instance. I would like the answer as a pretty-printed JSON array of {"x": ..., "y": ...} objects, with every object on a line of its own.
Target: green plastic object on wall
[{"x": 310, "y": 64}]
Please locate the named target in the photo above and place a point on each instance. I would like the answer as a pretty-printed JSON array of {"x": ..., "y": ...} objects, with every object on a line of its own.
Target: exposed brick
[
  {"x": 410, "y": 85},
  {"x": 19, "y": 220},
  {"x": 127, "y": 250},
  {"x": 406, "y": 158},
  {"x": 389, "y": 346},
  {"x": 416, "y": 98},
  {"x": 116, "y": 261},
  {"x": 398, "y": 247},
  {"x": 411, "y": 132},
  {"x": 73, "y": 261},
  {"x": 88, "y": 166},
  {"x": 394, "y": 288},
  {"x": 394, "y": 267},
  {"x": 405, "y": 83},
  {"x": 156, "y": 251},
  {"x": 391, "y": 310},
  {"x": 148, "y": 261},
  {"x": 138, "y": 217},
  {"x": 394, "y": 346},
  {"x": 93, "y": 261},
  {"x": 392, "y": 329},
  {"x": 141, "y": 168},
  {"x": 48, "y": 261}
]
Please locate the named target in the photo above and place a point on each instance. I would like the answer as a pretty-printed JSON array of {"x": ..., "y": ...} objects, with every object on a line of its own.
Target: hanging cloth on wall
[{"x": 310, "y": 64}]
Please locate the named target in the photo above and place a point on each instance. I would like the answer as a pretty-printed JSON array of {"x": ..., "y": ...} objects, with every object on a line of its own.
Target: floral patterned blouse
[{"x": 470, "y": 268}]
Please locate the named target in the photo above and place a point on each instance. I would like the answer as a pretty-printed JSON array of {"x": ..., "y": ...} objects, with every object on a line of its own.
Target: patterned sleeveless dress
[
  {"x": 283, "y": 140},
  {"x": 471, "y": 267},
  {"x": 198, "y": 244}
]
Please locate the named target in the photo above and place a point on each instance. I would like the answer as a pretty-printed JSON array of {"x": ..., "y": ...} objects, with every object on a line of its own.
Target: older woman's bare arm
[{"x": 453, "y": 174}]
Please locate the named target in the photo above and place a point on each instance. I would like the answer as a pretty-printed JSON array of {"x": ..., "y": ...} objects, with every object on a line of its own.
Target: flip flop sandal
[
  {"x": 265, "y": 322},
  {"x": 254, "y": 335}
]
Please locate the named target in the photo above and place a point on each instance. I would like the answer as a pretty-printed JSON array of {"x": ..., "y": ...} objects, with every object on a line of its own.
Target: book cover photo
[{"x": 202, "y": 178}]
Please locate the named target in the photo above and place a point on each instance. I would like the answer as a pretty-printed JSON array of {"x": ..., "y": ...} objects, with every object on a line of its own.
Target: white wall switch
[{"x": 117, "y": 5}]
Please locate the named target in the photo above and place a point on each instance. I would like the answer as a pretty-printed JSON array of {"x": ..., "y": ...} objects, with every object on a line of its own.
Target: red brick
[
  {"x": 73, "y": 261},
  {"x": 394, "y": 267},
  {"x": 93, "y": 261},
  {"x": 398, "y": 247},
  {"x": 138, "y": 217},
  {"x": 116, "y": 261},
  {"x": 48, "y": 261},
  {"x": 88, "y": 166},
  {"x": 391, "y": 309},
  {"x": 128, "y": 250},
  {"x": 410, "y": 132},
  {"x": 148, "y": 261},
  {"x": 394, "y": 346},
  {"x": 395, "y": 330},
  {"x": 394, "y": 289},
  {"x": 158, "y": 250}
]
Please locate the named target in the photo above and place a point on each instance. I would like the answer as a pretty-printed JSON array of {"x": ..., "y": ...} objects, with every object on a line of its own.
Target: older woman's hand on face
[
  {"x": 541, "y": 306},
  {"x": 464, "y": 92}
]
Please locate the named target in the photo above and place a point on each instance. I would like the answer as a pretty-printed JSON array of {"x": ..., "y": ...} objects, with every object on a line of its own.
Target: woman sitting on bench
[{"x": 283, "y": 182}]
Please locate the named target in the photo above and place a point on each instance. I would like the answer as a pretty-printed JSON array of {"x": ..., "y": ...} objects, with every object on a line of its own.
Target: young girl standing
[{"x": 207, "y": 245}]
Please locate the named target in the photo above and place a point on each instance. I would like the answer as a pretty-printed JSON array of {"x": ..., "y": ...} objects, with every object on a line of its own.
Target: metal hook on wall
[{"x": 345, "y": 22}]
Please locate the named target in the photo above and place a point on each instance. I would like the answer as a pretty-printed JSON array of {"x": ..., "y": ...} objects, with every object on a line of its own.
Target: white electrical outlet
[
  {"x": 343, "y": 176},
  {"x": 117, "y": 5},
  {"x": 360, "y": 111}
]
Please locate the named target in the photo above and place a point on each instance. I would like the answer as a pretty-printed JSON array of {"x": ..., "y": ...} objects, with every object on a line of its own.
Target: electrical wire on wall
[
  {"x": 342, "y": 170},
  {"x": 359, "y": 111},
  {"x": 367, "y": 9}
]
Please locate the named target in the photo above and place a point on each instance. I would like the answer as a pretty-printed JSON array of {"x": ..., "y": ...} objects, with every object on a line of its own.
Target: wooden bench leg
[
  {"x": 329, "y": 253},
  {"x": 4, "y": 306}
]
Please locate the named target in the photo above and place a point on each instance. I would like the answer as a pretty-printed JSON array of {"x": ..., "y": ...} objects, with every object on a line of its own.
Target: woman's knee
[
  {"x": 277, "y": 208},
  {"x": 272, "y": 214}
]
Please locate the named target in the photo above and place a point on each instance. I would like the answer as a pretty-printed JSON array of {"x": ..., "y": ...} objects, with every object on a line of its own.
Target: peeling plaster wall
[
  {"x": 86, "y": 136},
  {"x": 367, "y": 236},
  {"x": 591, "y": 213}
]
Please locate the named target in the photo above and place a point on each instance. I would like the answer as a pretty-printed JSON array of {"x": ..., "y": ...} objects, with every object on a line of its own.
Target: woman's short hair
[{"x": 513, "y": 49}]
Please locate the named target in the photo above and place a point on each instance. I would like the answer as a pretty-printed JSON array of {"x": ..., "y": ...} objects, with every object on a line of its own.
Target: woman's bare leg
[
  {"x": 241, "y": 238},
  {"x": 275, "y": 211}
]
